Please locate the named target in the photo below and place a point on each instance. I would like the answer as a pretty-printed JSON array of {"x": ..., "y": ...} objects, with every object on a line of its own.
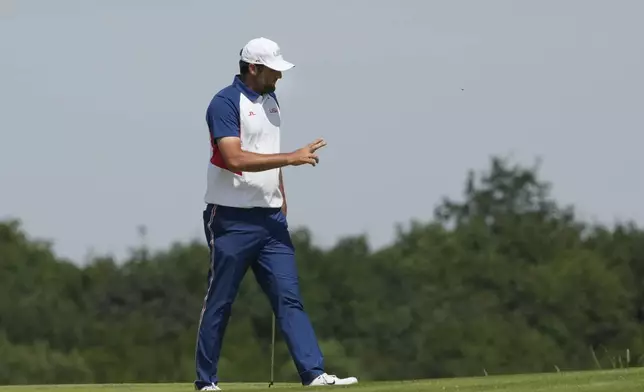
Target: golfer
[{"x": 245, "y": 215}]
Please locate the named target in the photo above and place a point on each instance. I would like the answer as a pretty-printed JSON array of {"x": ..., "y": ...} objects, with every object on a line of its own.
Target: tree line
[{"x": 504, "y": 280}]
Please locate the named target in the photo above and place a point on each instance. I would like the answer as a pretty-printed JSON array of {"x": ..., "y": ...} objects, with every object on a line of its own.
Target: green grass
[{"x": 620, "y": 380}]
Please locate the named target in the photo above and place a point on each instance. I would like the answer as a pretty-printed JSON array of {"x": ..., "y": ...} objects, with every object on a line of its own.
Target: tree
[{"x": 505, "y": 280}]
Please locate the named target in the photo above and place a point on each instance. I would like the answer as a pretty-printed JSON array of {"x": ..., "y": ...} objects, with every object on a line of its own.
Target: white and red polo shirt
[{"x": 238, "y": 111}]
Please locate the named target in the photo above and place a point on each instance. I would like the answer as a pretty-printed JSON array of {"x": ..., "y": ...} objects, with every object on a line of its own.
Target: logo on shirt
[
  {"x": 273, "y": 110},
  {"x": 251, "y": 113}
]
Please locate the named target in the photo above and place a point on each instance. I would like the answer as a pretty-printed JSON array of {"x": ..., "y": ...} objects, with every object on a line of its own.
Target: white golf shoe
[
  {"x": 330, "y": 379},
  {"x": 211, "y": 387}
]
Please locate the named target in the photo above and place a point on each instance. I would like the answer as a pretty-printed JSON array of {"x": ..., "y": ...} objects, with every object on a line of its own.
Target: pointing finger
[{"x": 317, "y": 145}]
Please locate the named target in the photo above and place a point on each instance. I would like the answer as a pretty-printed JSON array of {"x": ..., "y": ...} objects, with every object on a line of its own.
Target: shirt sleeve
[{"x": 222, "y": 117}]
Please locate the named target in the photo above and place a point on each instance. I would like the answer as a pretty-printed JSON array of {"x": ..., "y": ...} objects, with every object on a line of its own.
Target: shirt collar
[{"x": 241, "y": 86}]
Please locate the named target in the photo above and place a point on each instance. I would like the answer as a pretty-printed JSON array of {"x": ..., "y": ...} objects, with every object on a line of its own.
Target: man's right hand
[{"x": 307, "y": 154}]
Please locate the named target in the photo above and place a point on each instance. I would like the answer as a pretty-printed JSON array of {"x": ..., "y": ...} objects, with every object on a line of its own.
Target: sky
[{"x": 102, "y": 105}]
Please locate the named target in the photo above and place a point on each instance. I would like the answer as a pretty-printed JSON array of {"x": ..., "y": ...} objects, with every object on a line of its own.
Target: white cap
[{"x": 264, "y": 51}]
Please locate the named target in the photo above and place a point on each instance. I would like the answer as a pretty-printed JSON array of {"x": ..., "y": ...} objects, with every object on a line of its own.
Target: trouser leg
[
  {"x": 234, "y": 243},
  {"x": 276, "y": 272}
]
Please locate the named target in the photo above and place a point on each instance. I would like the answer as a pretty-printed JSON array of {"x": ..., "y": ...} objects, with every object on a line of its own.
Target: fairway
[{"x": 621, "y": 380}]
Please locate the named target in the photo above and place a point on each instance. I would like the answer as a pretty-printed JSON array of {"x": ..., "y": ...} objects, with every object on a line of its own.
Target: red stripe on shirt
[{"x": 217, "y": 159}]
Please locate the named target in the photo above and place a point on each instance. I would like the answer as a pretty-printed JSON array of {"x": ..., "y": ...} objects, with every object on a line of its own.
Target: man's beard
[{"x": 268, "y": 89}]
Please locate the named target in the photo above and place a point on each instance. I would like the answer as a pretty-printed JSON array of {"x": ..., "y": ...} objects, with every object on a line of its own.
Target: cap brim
[{"x": 280, "y": 65}]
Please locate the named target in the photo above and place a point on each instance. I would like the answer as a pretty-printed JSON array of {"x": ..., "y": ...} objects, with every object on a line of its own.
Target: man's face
[{"x": 266, "y": 79}]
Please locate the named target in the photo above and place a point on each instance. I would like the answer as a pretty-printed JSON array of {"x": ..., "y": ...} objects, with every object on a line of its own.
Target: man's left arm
[{"x": 284, "y": 208}]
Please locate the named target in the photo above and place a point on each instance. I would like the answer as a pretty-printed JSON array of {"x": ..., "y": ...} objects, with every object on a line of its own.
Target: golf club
[{"x": 272, "y": 354}]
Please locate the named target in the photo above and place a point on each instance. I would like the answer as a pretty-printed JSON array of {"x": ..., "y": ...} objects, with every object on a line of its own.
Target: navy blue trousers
[{"x": 258, "y": 238}]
